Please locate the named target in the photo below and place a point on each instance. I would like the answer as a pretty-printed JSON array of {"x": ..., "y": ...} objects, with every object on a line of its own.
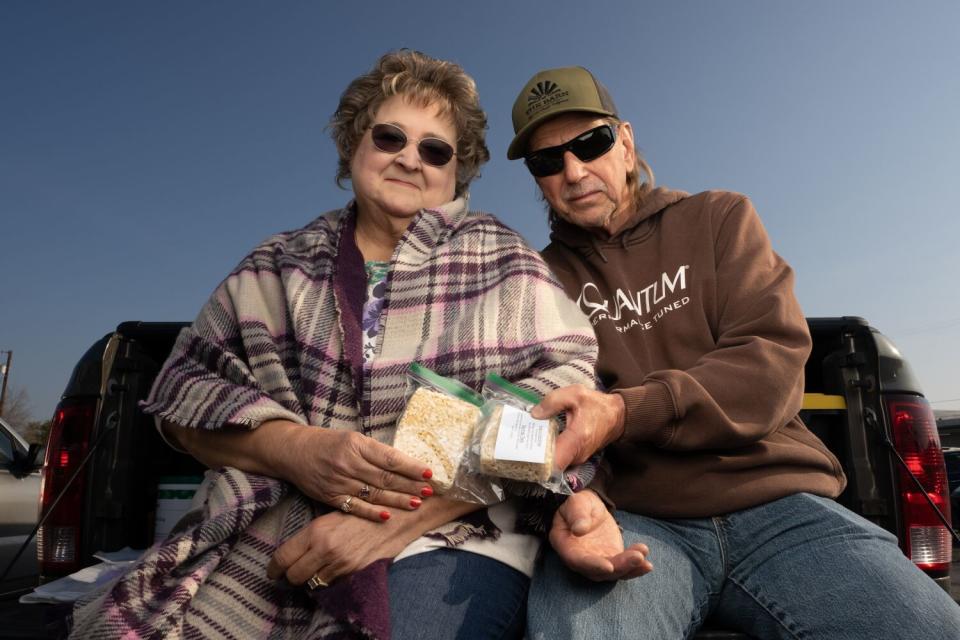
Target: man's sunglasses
[
  {"x": 587, "y": 146},
  {"x": 391, "y": 139}
]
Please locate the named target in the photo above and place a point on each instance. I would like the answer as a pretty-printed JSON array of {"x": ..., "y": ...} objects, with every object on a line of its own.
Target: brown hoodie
[{"x": 701, "y": 334}]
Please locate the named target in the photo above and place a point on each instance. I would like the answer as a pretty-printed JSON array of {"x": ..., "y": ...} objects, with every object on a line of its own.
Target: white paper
[
  {"x": 521, "y": 437},
  {"x": 70, "y": 588},
  {"x": 125, "y": 555}
]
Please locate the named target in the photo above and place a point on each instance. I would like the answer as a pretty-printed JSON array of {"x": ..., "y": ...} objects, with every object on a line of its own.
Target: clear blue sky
[{"x": 146, "y": 146}]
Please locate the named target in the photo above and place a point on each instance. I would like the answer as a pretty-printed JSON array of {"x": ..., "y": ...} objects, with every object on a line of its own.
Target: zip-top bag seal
[{"x": 437, "y": 427}]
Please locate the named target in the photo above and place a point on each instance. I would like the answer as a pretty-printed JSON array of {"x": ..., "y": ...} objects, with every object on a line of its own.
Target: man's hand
[
  {"x": 594, "y": 420},
  {"x": 587, "y": 538}
]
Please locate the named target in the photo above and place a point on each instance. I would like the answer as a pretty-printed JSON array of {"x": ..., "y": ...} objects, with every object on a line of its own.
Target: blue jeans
[
  {"x": 456, "y": 595},
  {"x": 798, "y": 567}
]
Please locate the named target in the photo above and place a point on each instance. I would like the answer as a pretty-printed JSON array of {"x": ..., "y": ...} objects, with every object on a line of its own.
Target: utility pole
[{"x": 6, "y": 374}]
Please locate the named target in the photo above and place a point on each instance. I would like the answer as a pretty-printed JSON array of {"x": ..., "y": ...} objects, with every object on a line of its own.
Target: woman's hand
[
  {"x": 335, "y": 545},
  {"x": 331, "y": 546},
  {"x": 341, "y": 468}
]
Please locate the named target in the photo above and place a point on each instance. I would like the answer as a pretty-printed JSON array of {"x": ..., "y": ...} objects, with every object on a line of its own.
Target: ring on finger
[
  {"x": 316, "y": 582},
  {"x": 364, "y": 492},
  {"x": 346, "y": 505}
]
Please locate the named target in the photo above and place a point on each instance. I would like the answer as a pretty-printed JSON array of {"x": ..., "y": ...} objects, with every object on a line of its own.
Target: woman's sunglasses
[
  {"x": 391, "y": 139},
  {"x": 587, "y": 146}
]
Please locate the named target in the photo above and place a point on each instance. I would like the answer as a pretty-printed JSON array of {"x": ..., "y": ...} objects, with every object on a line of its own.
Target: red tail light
[
  {"x": 926, "y": 541},
  {"x": 58, "y": 541}
]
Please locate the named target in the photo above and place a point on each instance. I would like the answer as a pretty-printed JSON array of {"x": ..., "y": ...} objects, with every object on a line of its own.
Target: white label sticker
[{"x": 521, "y": 437}]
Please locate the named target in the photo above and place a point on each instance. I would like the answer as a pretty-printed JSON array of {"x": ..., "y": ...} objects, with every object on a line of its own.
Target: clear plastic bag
[
  {"x": 437, "y": 427},
  {"x": 509, "y": 443}
]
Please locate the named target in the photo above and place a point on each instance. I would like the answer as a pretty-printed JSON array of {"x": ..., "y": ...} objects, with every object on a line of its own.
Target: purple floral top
[{"x": 372, "y": 306}]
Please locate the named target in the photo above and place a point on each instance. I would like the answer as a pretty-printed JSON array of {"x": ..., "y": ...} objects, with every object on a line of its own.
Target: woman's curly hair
[{"x": 424, "y": 81}]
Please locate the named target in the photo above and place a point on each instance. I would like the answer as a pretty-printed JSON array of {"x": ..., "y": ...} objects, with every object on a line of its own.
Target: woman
[{"x": 291, "y": 380}]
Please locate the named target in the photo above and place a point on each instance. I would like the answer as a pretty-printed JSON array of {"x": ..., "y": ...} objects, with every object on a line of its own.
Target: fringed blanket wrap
[{"x": 280, "y": 338}]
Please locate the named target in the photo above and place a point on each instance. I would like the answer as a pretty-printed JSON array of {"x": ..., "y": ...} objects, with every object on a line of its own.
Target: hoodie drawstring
[{"x": 595, "y": 244}]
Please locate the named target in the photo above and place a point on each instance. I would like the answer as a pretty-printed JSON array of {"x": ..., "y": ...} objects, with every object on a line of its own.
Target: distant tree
[
  {"x": 36, "y": 431},
  {"x": 16, "y": 409}
]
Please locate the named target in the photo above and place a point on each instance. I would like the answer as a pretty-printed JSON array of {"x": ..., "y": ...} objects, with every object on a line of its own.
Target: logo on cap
[
  {"x": 544, "y": 95},
  {"x": 543, "y": 89}
]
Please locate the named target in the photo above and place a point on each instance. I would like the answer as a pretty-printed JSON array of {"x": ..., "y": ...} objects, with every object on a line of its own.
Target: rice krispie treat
[
  {"x": 436, "y": 428},
  {"x": 537, "y": 472}
]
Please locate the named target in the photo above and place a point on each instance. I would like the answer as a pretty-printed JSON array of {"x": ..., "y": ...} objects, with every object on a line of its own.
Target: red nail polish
[
  {"x": 427, "y": 474},
  {"x": 426, "y": 492},
  {"x": 384, "y": 515},
  {"x": 415, "y": 502}
]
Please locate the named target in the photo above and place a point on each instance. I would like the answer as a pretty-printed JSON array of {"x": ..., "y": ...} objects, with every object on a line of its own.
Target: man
[{"x": 711, "y": 472}]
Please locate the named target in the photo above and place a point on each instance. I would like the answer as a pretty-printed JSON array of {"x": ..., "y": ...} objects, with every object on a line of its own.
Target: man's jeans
[{"x": 798, "y": 567}]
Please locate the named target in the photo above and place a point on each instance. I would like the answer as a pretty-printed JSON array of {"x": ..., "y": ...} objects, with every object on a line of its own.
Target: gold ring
[
  {"x": 315, "y": 582},
  {"x": 364, "y": 492},
  {"x": 345, "y": 506}
]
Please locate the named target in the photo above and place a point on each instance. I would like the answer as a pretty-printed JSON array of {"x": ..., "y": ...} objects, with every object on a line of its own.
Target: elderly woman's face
[{"x": 400, "y": 184}]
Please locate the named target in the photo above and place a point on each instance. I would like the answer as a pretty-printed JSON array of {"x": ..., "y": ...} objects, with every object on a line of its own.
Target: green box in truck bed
[{"x": 862, "y": 400}]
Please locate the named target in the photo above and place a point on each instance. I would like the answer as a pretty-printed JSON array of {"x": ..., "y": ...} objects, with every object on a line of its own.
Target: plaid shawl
[{"x": 280, "y": 338}]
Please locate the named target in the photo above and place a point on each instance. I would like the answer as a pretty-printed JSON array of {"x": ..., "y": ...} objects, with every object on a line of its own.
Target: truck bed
[{"x": 844, "y": 393}]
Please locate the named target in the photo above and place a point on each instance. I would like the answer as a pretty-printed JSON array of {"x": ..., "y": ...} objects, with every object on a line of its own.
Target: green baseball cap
[{"x": 552, "y": 92}]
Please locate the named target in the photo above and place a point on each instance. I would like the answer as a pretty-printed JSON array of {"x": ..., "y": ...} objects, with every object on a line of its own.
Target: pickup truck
[{"x": 862, "y": 400}]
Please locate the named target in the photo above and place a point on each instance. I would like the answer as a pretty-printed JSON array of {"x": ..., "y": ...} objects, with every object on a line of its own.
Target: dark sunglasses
[
  {"x": 391, "y": 139},
  {"x": 587, "y": 146}
]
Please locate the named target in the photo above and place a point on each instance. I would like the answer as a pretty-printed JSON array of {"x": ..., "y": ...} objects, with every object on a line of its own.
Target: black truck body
[{"x": 861, "y": 399}]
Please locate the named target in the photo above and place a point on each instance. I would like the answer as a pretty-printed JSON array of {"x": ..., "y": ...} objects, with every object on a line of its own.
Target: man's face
[{"x": 587, "y": 194}]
